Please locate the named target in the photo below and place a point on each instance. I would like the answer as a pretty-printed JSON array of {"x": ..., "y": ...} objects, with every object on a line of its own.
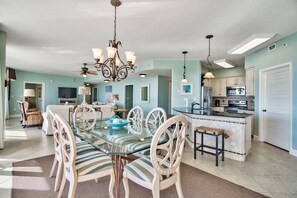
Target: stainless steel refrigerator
[{"x": 206, "y": 97}]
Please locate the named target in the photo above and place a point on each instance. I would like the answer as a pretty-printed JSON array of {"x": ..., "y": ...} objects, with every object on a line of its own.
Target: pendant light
[
  {"x": 184, "y": 80},
  {"x": 209, "y": 74}
]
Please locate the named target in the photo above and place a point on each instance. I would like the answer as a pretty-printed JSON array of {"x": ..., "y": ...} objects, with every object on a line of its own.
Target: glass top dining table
[{"x": 117, "y": 143}]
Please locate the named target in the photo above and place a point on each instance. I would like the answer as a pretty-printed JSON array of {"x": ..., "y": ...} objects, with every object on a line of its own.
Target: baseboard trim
[
  {"x": 15, "y": 116},
  {"x": 256, "y": 138},
  {"x": 293, "y": 152}
]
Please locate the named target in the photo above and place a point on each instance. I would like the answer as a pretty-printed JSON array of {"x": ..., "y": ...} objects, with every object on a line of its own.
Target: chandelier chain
[{"x": 115, "y": 23}]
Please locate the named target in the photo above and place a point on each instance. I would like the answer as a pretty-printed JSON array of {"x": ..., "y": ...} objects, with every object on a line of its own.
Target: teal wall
[
  {"x": 228, "y": 72},
  {"x": 163, "y": 93},
  {"x": 52, "y": 82},
  {"x": 2, "y": 77},
  {"x": 137, "y": 82},
  {"x": 193, "y": 75},
  {"x": 263, "y": 59}
]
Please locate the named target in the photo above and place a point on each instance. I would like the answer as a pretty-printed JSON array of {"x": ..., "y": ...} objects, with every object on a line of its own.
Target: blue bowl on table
[{"x": 116, "y": 124}]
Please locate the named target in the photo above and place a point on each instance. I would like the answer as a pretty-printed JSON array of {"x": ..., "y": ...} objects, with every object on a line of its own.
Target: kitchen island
[{"x": 237, "y": 128}]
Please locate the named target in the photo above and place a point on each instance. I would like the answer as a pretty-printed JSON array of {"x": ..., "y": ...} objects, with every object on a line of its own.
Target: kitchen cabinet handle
[{"x": 264, "y": 110}]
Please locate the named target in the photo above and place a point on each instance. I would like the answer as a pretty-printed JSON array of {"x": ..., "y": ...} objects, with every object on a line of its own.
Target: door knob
[{"x": 264, "y": 110}]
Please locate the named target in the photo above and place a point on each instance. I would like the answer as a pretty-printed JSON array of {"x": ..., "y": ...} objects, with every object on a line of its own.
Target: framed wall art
[{"x": 186, "y": 89}]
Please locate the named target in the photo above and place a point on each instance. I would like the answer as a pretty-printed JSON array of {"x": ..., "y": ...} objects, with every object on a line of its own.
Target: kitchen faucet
[{"x": 193, "y": 104}]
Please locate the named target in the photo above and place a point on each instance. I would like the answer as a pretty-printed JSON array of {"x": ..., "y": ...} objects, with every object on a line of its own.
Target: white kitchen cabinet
[
  {"x": 236, "y": 81},
  {"x": 219, "y": 87},
  {"x": 249, "y": 84}
]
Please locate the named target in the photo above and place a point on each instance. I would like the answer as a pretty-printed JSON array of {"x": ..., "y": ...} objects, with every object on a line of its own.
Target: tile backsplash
[{"x": 224, "y": 100}]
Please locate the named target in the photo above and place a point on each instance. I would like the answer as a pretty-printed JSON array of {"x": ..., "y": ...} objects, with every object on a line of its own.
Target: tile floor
[{"x": 267, "y": 170}]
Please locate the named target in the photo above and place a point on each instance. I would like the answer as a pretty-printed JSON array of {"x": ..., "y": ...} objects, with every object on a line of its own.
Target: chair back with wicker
[{"x": 29, "y": 117}]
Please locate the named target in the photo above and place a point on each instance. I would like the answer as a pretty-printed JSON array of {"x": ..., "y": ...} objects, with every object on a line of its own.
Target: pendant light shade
[
  {"x": 209, "y": 74},
  {"x": 184, "y": 80}
]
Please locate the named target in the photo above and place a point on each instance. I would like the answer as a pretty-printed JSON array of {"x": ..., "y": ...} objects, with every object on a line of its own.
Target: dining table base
[
  {"x": 118, "y": 162},
  {"x": 118, "y": 172}
]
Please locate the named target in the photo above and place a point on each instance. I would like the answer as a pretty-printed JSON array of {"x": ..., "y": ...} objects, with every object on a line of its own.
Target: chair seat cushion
[
  {"x": 92, "y": 161},
  {"x": 143, "y": 169},
  {"x": 83, "y": 147}
]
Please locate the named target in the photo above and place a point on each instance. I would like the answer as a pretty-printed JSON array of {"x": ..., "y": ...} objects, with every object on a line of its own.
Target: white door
[{"x": 276, "y": 106}]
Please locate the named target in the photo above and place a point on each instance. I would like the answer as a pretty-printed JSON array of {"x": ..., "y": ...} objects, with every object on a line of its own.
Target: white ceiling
[{"x": 56, "y": 36}]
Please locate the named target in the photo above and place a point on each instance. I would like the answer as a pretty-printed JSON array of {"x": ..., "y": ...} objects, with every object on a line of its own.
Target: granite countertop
[{"x": 187, "y": 110}]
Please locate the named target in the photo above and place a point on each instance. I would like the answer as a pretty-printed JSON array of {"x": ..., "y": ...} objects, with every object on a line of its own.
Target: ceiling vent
[{"x": 271, "y": 47}]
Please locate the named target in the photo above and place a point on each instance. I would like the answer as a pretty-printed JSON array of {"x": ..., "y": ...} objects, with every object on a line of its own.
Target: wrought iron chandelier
[
  {"x": 113, "y": 68},
  {"x": 209, "y": 74}
]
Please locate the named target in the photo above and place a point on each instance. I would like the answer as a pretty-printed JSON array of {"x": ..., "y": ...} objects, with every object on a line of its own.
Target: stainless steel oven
[
  {"x": 233, "y": 105},
  {"x": 235, "y": 91}
]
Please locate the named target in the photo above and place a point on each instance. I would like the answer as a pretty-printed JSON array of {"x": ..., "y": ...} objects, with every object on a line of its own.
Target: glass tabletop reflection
[{"x": 115, "y": 141}]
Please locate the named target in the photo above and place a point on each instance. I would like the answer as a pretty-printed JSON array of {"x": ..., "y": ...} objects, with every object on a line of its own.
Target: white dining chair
[
  {"x": 154, "y": 119},
  {"x": 157, "y": 172},
  {"x": 90, "y": 165},
  {"x": 84, "y": 117},
  {"x": 135, "y": 118},
  {"x": 81, "y": 147}
]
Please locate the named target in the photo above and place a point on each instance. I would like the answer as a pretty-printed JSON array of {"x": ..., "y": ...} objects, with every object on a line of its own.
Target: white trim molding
[{"x": 293, "y": 152}]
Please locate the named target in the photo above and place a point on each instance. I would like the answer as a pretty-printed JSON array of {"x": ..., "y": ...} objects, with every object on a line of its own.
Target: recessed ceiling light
[
  {"x": 142, "y": 75},
  {"x": 224, "y": 63},
  {"x": 249, "y": 43}
]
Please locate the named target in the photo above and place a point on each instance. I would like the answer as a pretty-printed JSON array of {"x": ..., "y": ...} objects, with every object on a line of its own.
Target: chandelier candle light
[
  {"x": 184, "y": 80},
  {"x": 113, "y": 68},
  {"x": 209, "y": 74}
]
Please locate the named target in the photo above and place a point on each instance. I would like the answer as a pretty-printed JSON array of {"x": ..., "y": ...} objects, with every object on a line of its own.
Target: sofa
[
  {"x": 63, "y": 110},
  {"x": 66, "y": 111}
]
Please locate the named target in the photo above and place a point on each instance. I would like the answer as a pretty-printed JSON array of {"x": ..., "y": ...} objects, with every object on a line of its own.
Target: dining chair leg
[
  {"x": 62, "y": 186},
  {"x": 156, "y": 190},
  {"x": 72, "y": 189},
  {"x": 58, "y": 176},
  {"x": 126, "y": 185},
  {"x": 178, "y": 185},
  {"x": 97, "y": 180},
  {"x": 111, "y": 184},
  {"x": 53, "y": 168}
]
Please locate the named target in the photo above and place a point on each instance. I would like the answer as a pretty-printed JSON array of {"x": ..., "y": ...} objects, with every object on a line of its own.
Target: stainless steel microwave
[{"x": 236, "y": 91}]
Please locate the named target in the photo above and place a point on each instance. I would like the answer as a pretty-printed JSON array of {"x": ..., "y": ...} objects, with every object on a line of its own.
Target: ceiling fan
[{"x": 85, "y": 71}]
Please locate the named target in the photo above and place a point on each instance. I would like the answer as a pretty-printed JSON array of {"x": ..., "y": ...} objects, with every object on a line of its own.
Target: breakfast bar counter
[{"x": 237, "y": 127}]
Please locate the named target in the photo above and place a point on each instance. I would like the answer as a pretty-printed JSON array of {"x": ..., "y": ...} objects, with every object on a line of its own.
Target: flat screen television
[{"x": 67, "y": 92}]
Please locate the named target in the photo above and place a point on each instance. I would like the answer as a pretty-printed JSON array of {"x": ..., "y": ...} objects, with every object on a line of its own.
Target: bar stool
[{"x": 213, "y": 132}]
